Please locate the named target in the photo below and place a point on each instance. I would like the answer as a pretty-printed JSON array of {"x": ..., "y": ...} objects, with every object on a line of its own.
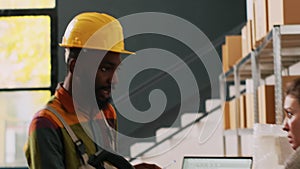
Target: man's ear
[{"x": 71, "y": 64}]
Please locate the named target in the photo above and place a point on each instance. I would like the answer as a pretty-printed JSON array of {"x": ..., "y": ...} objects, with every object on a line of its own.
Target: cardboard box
[
  {"x": 232, "y": 51},
  {"x": 251, "y": 19},
  {"x": 234, "y": 48},
  {"x": 268, "y": 13},
  {"x": 243, "y": 111},
  {"x": 226, "y": 117},
  {"x": 250, "y": 9},
  {"x": 249, "y": 110},
  {"x": 266, "y": 104},
  {"x": 283, "y": 12},
  {"x": 233, "y": 113},
  {"x": 247, "y": 38},
  {"x": 266, "y": 100},
  {"x": 261, "y": 19},
  {"x": 224, "y": 58},
  {"x": 244, "y": 41}
]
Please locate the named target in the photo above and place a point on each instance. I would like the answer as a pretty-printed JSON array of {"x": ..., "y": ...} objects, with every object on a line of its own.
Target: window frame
[{"x": 52, "y": 13}]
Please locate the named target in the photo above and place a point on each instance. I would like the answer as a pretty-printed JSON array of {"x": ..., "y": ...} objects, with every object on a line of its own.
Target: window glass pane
[
  {"x": 26, "y": 4},
  {"x": 25, "y": 51},
  {"x": 16, "y": 111}
]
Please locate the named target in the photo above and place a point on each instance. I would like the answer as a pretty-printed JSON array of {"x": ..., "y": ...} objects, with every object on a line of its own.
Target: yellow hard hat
[{"x": 94, "y": 30}]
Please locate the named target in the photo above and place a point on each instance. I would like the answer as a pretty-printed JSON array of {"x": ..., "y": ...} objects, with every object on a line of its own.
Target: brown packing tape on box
[
  {"x": 291, "y": 11},
  {"x": 243, "y": 111},
  {"x": 249, "y": 35},
  {"x": 266, "y": 104},
  {"x": 226, "y": 118},
  {"x": 283, "y": 12}
]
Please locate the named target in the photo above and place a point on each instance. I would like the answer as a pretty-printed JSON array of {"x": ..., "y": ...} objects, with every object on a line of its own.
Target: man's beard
[{"x": 102, "y": 104}]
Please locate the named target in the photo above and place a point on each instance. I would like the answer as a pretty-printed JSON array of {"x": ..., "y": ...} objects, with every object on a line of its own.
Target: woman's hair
[{"x": 293, "y": 88}]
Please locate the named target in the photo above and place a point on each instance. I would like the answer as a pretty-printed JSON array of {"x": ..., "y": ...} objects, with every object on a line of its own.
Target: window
[
  {"x": 28, "y": 50},
  {"x": 25, "y": 50},
  {"x": 26, "y": 4}
]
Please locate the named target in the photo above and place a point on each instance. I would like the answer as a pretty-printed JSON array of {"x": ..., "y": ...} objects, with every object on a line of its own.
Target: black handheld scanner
[{"x": 98, "y": 159}]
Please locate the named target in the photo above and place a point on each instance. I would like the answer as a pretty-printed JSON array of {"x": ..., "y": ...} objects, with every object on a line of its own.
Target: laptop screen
[{"x": 217, "y": 163}]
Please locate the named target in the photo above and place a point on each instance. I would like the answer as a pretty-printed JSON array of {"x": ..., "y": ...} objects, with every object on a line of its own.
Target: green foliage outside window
[
  {"x": 25, "y": 51},
  {"x": 26, "y": 4}
]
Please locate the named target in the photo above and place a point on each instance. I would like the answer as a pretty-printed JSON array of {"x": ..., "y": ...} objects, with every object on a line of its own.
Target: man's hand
[{"x": 146, "y": 166}]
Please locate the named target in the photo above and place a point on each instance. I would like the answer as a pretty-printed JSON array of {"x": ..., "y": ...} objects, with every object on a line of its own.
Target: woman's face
[{"x": 292, "y": 120}]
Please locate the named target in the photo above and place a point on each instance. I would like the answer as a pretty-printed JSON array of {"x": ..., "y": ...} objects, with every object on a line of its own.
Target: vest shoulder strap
[{"x": 78, "y": 143}]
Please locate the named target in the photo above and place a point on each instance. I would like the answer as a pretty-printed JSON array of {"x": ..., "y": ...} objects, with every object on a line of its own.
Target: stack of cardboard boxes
[
  {"x": 266, "y": 107},
  {"x": 231, "y": 51},
  {"x": 262, "y": 15}
]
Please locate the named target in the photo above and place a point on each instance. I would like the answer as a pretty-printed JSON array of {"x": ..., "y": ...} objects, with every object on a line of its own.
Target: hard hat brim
[{"x": 111, "y": 50}]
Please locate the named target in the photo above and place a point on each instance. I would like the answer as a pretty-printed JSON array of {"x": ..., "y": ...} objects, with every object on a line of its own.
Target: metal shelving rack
[{"x": 279, "y": 50}]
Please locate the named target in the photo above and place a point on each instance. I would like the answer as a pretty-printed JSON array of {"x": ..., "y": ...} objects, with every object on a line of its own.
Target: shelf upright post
[
  {"x": 222, "y": 82},
  {"x": 256, "y": 76},
  {"x": 277, "y": 74},
  {"x": 237, "y": 106},
  {"x": 237, "y": 93}
]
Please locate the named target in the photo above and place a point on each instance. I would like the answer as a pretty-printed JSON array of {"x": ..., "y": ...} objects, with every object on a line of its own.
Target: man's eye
[{"x": 103, "y": 69}]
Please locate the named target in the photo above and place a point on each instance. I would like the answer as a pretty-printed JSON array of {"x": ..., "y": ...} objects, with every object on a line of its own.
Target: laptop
[{"x": 200, "y": 162}]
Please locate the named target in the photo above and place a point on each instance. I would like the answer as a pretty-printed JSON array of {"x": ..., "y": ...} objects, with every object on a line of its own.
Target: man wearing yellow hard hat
[{"x": 63, "y": 134}]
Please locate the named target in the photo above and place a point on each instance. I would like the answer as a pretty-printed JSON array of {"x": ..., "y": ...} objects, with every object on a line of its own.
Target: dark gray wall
[{"x": 214, "y": 17}]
